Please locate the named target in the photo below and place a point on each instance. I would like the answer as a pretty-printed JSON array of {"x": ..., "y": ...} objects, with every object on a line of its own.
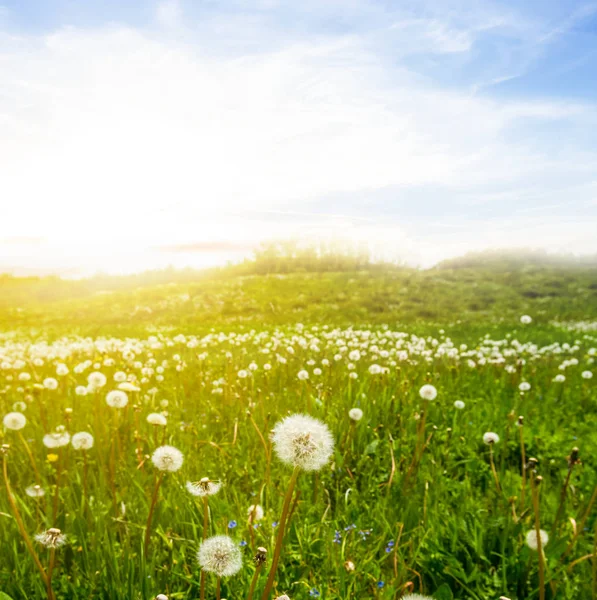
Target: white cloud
[{"x": 121, "y": 137}]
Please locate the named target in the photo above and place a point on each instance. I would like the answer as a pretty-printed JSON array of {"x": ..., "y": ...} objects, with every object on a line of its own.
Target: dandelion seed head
[
  {"x": 50, "y": 383},
  {"x": 51, "y": 538},
  {"x": 459, "y": 404},
  {"x": 35, "y": 491},
  {"x": 220, "y": 555},
  {"x": 204, "y": 487},
  {"x": 531, "y": 539},
  {"x": 82, "y": 441},
  {"x": 428, "y": 392},
  {"x": 96, "y": 380},
  {"x": 491, "y": 438},
  {"x": 14, "y": 421},
  {"x": 302, "y": 441},
  {"x": 167, "y": 458},
  {"x": 356, "y": 414},
  {"x": 56, "y": 439},
  {"x": 255, "y": 513},
  {"x": 526, "y": 320},
  {"x": 117, "y": 399},
  {"x": 157, "y": 419}
]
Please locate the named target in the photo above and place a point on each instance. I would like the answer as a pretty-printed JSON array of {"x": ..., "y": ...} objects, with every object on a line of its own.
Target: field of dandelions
[{"x": 301, "y": 461}]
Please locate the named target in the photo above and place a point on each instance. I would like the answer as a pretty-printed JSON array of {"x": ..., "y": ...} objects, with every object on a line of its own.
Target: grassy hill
[{"x": 484, "y": 289}]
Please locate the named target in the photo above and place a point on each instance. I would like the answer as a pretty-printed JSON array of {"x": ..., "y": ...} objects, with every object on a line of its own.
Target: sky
[{"x": 140, "y": 134}]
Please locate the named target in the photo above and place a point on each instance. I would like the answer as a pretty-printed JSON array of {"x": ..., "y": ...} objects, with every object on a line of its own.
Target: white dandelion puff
[
  {"x": 356, "y": 414},
  {"x": 459, "y": 404},
  {"x": 35, "y": 491},
  {"x": 204, "y": 487},
  {"x": 586, "y": 375},
  {"x": 255, "y": 513},
  {"x": 491, "y": 438},
  {"x": 531, "y": 538},
  {"x": 302, "y": 441},
  {"x": 50, "y": 383},
  {"x": 96, "y": 380},
  {"x": 167, "y": 458},
  {"x": 56, "y": 439},
  {"x": 525, "y": 386},
  {"x": 51, "y": 538},
  {"x": 157, "y": 419},
  {"x": 428, "y": 392},
  {"x": 14, "y": 421},
  {"x": 220, "y": 555},
  {"x": 82, "y": 441},
  {"x": 526, "y": 320},
  {"x": 117, "y": 399}
]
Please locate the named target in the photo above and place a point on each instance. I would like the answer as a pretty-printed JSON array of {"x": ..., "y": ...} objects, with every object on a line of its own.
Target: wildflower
[
  {"x": 356, "y": 414},
  {"x": 81, "y": 390},
  {"x": 50, "y": 383},
  {"x": 56, "y": 439},
  {"x": 35, "y": 491},
  {"x": 525, "y": 319},
  {"x": 205, "y": 487},
  {"x": 119, "y": 376},
  {"x": 459, "y": 404},
  {"x": 243, "y": 374},
  {"x": 161, "y": 597},
  {"x": 416, "y": 597},
  {"x": 61, "y": 369},
  {"x": 232, "y": 524},
  {"x": 283, "y": 597},
  {"x": 96, "y": 380},
  {"x": 559, "y": 378},
  {"x": 82, "y": 441},
  {"x": 51, "y": 538},
  {"x": 157, "y": 419},
  {"x": 314, "y": 592},
  {"x": 303, "y": 375},
  {"x": 255, "y": 513},
  {"x": 302, "y": 441},
  {"x": 375, "y": 369},
  {"x": 428, "y": 392},
  {"x": 14, "y": 421},
  {"x": 531, "y": 538},
  {"x": 52, "y": 458},
  {"x": 220, "y": 555},
  {"x": 586, "y": 374},
  {"x": 117, "y": 399},
  {"x": 167, "y": 458},
  {"x": 524, "y": 386},
  {"x": 349, "y": 566},
  {"x": 491, "y": 438}
]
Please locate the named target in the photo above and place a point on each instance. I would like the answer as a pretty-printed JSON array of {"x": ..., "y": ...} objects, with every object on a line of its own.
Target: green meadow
[{"x": 410, "y": 500}]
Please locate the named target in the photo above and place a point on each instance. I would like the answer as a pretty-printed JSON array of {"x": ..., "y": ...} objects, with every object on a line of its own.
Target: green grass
[{"x": 455, "y": 535}]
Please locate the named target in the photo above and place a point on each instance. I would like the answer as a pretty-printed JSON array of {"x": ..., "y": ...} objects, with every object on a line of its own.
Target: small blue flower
[
  {"x": 380, "y": 584},
  {"x": 337, "y": 537},
  {"x": 242, "y": 544},
  {"x": 275, "y": 524},
  {"x": 231, "y": 524},
  {"x": 314, "y": 592}
]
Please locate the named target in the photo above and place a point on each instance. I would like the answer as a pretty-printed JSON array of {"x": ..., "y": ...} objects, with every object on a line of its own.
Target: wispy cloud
[{"x": 145, "y": 136}]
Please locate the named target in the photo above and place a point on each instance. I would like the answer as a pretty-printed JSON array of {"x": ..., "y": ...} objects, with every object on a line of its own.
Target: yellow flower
[{"x": 52, "y": 457}]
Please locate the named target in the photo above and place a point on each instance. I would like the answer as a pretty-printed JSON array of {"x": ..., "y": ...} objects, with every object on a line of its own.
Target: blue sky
[{"x": 428, "y": 128}]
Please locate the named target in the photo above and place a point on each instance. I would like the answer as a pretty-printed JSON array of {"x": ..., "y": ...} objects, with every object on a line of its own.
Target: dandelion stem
[
  {"x": 535, "y": 495},
  {"x": 150, "y": 515},
  {"x": 523, "y": 469},
  {"x": 20, "y": 524},
  {"x": 205, "y": 532},
  {"x": 495, "y": 475},
  {"x": 218, "y": 584},
  {"x": 254, "y": 581},
  {"x": 280, "y": 537},
  {"x": 50, "y": 571},
  {"x": 57, "y": 490},
  {"x": 562, "y": 499},
  {"x": 30, "y": 455}
]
